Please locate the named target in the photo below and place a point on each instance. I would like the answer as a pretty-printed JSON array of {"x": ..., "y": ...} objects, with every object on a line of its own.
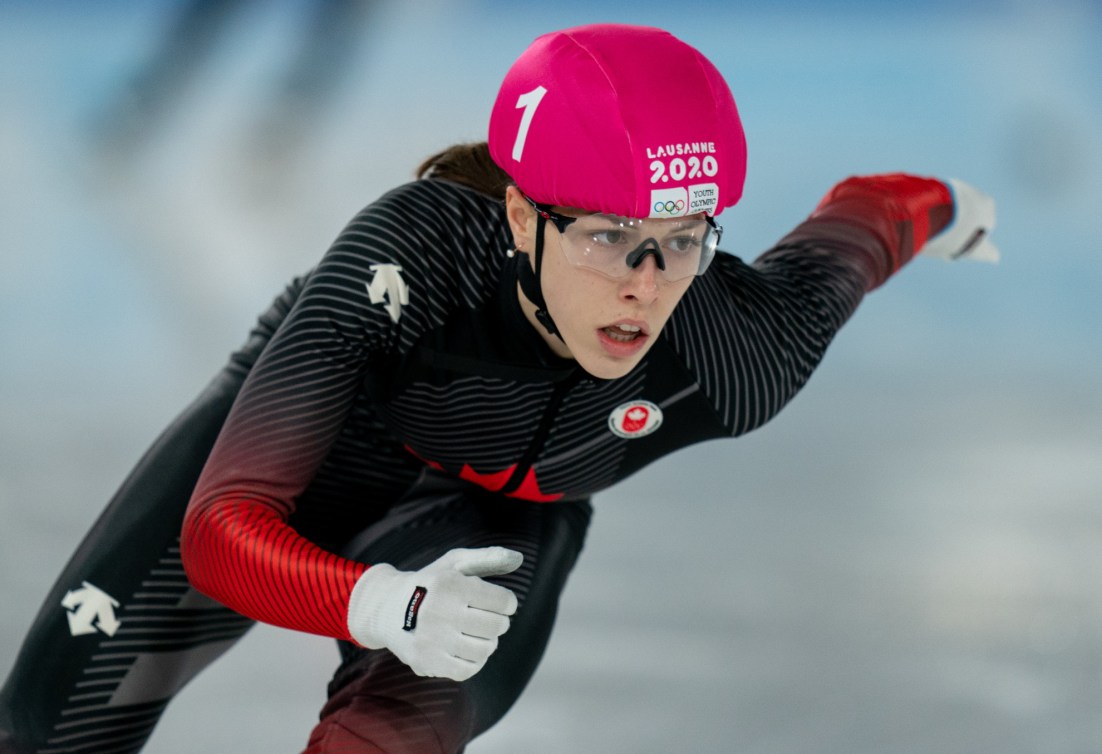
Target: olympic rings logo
[{"x": 669, "y": 206}]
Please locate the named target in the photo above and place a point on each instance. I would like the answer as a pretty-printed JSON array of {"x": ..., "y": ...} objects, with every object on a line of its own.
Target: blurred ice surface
[{"x": 906, "y": 560}]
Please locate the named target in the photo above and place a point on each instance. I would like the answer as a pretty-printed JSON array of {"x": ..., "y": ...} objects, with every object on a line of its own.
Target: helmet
[{"x": 619, "y": 119}]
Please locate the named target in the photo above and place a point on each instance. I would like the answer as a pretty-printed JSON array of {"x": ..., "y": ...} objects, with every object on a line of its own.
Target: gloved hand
[
  {"x": 441, "y": 621},
  {"x": 967, "y": 235}
]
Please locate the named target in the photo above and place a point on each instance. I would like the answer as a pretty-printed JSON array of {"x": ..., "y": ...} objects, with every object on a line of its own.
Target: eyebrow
[{"x": 677, "y": 224}]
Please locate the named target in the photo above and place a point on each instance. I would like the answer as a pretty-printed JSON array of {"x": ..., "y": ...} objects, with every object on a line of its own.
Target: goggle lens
[{"x": 615, "y": 245}]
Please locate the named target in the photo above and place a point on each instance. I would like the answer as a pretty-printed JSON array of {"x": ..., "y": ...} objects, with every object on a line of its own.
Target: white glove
[
  {"x": 441, "y": 621},
  {"x": 967, "y": 235}
]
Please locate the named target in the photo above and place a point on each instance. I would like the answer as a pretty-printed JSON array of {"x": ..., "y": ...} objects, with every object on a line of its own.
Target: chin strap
[{"x": 530, "y": 281}]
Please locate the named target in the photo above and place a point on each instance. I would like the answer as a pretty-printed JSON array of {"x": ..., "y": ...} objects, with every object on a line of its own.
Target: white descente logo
[
  {"x": 90, "y": 609},
  {"x": 388, "y": 286}
]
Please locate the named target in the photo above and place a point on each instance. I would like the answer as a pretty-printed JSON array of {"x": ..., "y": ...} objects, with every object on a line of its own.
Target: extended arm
[
  {"x": 769, "y": 324},
  {"x": 884, "y": 220}
]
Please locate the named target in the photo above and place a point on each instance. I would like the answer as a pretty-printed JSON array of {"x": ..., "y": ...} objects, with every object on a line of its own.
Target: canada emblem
[{"x": 635, "y": 419}]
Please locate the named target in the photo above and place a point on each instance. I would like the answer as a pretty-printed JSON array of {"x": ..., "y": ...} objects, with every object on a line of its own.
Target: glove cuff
[{"x": 368, "y": 623}]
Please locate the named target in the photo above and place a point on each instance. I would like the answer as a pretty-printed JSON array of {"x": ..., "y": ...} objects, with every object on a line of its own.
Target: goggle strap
[
  {"x": 530, "y": 281},
  {"x": 527, "y": 279}
]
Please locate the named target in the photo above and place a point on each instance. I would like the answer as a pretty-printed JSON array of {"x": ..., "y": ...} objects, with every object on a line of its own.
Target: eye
[
  {"x": 609, "y": 237},
  {"x": 684, "y": 244}
]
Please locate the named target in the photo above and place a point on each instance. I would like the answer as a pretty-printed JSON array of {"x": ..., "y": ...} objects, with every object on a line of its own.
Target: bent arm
[{"x": 236, "y": 543}]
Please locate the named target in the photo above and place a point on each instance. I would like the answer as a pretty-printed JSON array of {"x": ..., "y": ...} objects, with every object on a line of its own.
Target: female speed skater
[{"x": 402, "y": 455}]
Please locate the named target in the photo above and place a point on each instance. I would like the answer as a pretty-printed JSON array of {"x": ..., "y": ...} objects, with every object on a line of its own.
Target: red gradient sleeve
[
  {"x": 897, "y": 212},
  {"x": 236, "y": 543},
  {"x": 245, "y": 553}
]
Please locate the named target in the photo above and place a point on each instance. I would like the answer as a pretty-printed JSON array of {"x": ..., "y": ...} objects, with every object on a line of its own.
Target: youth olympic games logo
[
  {"x": 669, "y": 202},
  {"x": 669, "y": 207}
]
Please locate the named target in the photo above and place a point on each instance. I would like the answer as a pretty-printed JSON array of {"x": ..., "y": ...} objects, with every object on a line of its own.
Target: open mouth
[{"x": 623, "y": 333}]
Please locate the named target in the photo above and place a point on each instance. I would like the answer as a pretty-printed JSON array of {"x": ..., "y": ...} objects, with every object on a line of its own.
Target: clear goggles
[{"x": 614, "y": 246}]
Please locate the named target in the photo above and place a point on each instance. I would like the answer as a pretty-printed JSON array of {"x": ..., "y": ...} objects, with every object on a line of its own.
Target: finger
[
  {"x": 446, "y": 665},
  {"x": 483, "y": 624},
  {"x": 487, "y": 561},
  {"x": 459, "y": 669},
  {"x": 472, "y": 649},
  {"x": 984, "y": 251},
  {"x": 451, "y": 557},
  {"x": 492, "y": 598}
]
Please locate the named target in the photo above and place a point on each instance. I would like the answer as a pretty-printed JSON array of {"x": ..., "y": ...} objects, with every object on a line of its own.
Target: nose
[{"x": 642, "y": 283}]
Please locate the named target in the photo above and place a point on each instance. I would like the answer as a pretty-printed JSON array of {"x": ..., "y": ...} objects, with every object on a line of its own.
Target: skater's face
[{"x": 607, "y": 323}]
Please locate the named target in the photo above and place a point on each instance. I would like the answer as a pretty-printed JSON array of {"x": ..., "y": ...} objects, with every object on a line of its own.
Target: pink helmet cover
[{"x": 625, "y": 120}]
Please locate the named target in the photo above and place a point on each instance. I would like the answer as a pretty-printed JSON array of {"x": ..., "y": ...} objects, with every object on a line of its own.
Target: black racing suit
[{"x": 402, "y": 369}]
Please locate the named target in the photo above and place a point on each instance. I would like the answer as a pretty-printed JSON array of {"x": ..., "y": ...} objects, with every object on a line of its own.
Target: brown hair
[{"x": 470, "y": 165}]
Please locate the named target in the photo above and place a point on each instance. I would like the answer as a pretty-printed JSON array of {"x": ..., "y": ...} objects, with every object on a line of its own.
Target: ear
[{"x": 522, "y": 218}]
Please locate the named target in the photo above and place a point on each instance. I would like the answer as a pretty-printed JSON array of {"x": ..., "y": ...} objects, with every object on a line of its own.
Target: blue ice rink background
[{"x": 908, "y": 559}]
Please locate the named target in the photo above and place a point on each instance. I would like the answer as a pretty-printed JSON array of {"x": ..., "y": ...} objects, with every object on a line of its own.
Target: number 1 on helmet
[{"x": 529, "y": 101}]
